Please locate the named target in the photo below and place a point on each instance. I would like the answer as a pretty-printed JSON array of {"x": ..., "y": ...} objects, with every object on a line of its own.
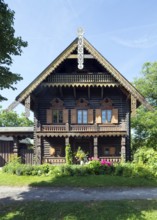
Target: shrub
[
  {"x": 11, "y": 166},
  {"x": 95, "y": 167},
  {"x": 146, "y": 156},
  {"x": 69, "y": 157},
  {"x": 118, "y": 170}
]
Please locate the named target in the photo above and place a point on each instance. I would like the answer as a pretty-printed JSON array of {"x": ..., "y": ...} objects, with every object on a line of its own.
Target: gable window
[
  {"x": 57, "y": 116},
  {"x": 106, "y": 116},
  {"x": 82, "y": 116}
]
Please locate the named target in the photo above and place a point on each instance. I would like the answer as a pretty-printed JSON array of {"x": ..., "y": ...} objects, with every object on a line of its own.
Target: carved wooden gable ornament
[
  {"x": 82, "y": 103},
  {"x": 57, "y": 103},
  {"x": 106, "y": 103}
]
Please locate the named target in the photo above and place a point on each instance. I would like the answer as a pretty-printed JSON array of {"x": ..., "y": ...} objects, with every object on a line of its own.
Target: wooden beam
[
  {"x": 75, "y": 56},
  {"x": 102, "y": 92},
  {"x": 74, "y": 89},
  {"x": 61, "y": 91},
  {"x": 88, "y": 92}
]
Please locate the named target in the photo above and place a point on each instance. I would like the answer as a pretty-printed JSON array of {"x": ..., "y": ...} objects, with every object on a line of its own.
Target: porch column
[
  {"x": 95, "y": 147},
  {"x": 66, "y": 141},
  {"x": 123, "y": 149},
  {"x": 15, "y": 146},
  {"x": 38, "y": 150}
]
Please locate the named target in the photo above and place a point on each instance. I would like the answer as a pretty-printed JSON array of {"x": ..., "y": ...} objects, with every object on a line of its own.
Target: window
[
  {"x": 106, "y": 116},
  {"x": 57, "y": 116},
  {"x": 106, "y": 151},
  {"x": 82, "y": 116},
  {"x": 109, "y": 151}
]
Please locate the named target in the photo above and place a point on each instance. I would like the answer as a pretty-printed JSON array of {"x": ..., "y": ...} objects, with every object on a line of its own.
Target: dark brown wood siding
[
  {"x": 6, "y": 151},
  {"x": 69, "y": 97}
]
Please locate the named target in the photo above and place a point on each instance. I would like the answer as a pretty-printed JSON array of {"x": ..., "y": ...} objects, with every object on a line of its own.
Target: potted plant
[{"x": 80, "y": 155}]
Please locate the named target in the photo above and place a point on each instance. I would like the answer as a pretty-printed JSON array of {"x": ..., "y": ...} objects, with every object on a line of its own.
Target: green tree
[
  {"x": 147, "y": 83},
  {"x": 12, "y": 119},
  {"x": 144, "y": 124},
  {"x": 9, "y": 46}
]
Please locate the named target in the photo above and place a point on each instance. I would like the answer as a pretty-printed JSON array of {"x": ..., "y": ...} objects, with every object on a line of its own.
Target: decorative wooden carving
[
  {"x": 95, "y": 147},
  {"x": 123, "y": 149},
  {"x": 80, "y": 49},
  {"x": 57, "y": 103},
  {"x": 133, "y": 106},
  {"x": 66, "y": 141},
  {"x": 106, "y": 103},
  {"x": 27, "y": 106},
  {"x": 82, "y": 103},
  {"x": 12, "y": 106}
]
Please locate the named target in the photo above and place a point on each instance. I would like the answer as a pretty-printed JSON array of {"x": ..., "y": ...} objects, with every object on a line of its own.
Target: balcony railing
[
  {"x": 89, "y": 78},
  {"x": 112, "y": 159},
  {"x": 54, "y": 160},
  {"x": 62, "y": 160},
  {"x": 54, "y": 128},
  {"x": 81, "y": 128}
]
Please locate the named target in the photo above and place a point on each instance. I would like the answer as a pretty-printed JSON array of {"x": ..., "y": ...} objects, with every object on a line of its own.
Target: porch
[{"x": 112, "y": 149}]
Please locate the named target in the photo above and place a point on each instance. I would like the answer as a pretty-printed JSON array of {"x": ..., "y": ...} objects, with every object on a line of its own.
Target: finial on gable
[{"x": 80, "y": 50}]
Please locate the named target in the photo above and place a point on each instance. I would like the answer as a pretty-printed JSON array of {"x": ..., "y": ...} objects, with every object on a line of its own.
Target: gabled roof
[{"x": 105, "y": 63}]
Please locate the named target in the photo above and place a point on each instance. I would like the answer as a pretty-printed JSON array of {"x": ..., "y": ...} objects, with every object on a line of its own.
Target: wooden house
[{"x": 82, "y": 100}]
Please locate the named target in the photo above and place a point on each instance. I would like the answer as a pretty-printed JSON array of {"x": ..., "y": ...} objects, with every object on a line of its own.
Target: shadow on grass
[
  {"x": 117, "y": 210},
  {"x": 91, "y": 181}
]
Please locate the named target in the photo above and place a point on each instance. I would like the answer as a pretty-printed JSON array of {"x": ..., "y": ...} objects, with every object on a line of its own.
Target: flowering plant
[
  {"x": 93, "y": 158},
  {"x": 105, "y": 162}
]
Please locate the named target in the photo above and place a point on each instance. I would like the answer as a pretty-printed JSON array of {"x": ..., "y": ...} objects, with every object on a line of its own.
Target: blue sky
[{"x": 123, "y": 31}]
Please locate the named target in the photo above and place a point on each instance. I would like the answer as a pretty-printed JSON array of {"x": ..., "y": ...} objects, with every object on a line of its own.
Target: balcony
[
  {"x": 82, "y": 128},
  {"x": 94, "y": 79}
]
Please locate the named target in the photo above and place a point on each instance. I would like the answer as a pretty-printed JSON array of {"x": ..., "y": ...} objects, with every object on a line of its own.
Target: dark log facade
[{"x": 88, "y": 107}]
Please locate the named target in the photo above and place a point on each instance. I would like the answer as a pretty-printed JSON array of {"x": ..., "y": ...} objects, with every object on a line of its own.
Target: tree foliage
[
  {"x": 9, "y": 46},
  {"x": 12, "y": 119},
  {"x": 147, "y": 83},
  {"x": 144, "y": 124}
]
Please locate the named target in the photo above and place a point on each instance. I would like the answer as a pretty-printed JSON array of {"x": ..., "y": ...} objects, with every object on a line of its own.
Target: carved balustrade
[
  {"x": 112, "y": 159},
  {"x": 54, "y": 128},
  {"x": 89, "y": 78},
  {"x": 82, "y": 128},
  {"x": 54, "y": 160}
]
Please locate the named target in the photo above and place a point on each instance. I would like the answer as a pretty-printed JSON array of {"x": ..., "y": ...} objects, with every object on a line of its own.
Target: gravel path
[{"x": 10, "y": 194}]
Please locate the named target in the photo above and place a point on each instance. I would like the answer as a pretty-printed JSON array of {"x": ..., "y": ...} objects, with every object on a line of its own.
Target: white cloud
[{"x": 143, "y": 42}]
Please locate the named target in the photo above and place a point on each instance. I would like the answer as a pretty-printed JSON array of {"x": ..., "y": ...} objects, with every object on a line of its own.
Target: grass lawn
[
  {"x": 76, "y": 181},
  {"x": 108, "y": 210}
]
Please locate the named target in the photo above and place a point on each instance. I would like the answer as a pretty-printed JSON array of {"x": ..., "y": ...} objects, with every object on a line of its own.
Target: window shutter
[
  {"x": 114, "y": 119},
  {"x": 90, "y": 116},
  {"x": 73, "y": 116},
  {"x": 65, "y": 116},
  {"x": 112, "y": 151},
  {"x": 49, "y": 116},
  {"x": 98, "y": 116}
]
